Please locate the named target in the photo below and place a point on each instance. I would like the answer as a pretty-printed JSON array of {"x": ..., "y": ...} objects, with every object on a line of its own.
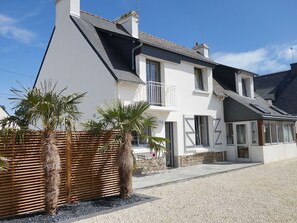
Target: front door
[
  {"x": 242, "y": 142},
  {"x": 169, "y": 145}
]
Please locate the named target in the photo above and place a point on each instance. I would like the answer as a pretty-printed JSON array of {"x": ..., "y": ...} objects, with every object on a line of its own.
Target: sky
[{"x": 255, "y": 35}]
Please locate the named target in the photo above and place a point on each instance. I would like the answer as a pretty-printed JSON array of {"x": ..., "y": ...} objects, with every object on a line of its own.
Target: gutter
[{"x": 133, "y": 55}]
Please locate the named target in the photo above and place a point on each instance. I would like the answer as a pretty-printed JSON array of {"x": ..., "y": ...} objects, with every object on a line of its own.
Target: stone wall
[{"x": 199, "y": 158}]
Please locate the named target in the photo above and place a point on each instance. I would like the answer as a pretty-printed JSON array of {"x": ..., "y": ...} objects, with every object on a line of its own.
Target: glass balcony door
[{"x": 154, "y": 86}]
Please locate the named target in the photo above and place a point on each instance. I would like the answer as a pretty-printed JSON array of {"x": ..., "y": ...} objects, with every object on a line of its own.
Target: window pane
[
  {"x": 197, "y": 131},
  {"x": 230, "y": 139},
  {"x": 267, "y": 133},
  {"x": 291, "y": 132},
  {"x": 241, "y": 135},
  {"x": 201, "y": 130},
  {"x": 286, "y": 133},
  {"x": 244, "y": 87},
  {"x": 273, "y": 133},
  {"x": 254, "y": 132},
  {"x": 199, "y": 79},
  {"x": 280, "y": 133},
  {"x": 204, "y": 130}
]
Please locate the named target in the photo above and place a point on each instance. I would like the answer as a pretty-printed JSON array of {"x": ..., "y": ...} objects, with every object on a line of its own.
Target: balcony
[{"x": 159, "y": 95}]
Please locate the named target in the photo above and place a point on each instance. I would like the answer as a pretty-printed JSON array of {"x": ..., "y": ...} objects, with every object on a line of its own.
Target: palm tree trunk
[
  {"x": 52, "y": 168},
  {"x": 125, "y": 167}
]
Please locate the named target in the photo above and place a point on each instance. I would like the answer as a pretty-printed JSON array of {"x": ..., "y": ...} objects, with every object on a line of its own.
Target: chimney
[
  {"x": 294, "y": 68},
  {"x": 202, "y": 49},
  {"x": 65, "y": 8},
  {"x": 130, "y": 22}
]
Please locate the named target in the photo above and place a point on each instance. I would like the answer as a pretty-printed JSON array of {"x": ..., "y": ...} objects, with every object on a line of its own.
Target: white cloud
[
  {"x": 9, "y": 29},
  {"x": 6, "y": 20},
  {"x": 268, "y": 59}
]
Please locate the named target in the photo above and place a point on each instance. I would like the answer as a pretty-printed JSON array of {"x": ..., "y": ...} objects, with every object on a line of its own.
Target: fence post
[{"x": 68, "y": 165}]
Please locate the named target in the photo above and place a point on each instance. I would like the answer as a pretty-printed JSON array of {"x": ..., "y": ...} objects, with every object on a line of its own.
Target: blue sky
[{"x": 250, "y": 34}]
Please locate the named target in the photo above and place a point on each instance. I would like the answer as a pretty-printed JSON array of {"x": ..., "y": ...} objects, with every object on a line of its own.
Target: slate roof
[
  {"x": 93, "y": 29},
  {"x": 173, "y": 47},
  {"x": 279, "y": 87},
  {"x": 221, "y": 88},
  {"x": 114, "y": 63}
]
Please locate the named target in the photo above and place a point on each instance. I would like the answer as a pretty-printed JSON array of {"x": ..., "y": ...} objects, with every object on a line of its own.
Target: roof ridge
[
  {"x": 275, "y": 73},
  {"x": 176, "y": 44},
  {"x": 107, "y": 20}
]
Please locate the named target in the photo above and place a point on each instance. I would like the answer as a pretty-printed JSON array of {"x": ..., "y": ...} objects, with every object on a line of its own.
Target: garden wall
[{"x": 86, "y": 172}]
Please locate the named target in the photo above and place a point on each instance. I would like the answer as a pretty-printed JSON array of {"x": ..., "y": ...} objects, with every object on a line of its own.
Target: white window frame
[
  {"x": 232, "y": 135},
  {"x": 198, "y": 131},
  {"x": 204, "y": 77},
  {"x": 256, "y": 132},
  {"x": 281, "y": 125}
]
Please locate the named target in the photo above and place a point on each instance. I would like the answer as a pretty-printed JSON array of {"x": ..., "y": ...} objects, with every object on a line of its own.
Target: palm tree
[
  {"x": 122, "y": 120},
  {"x": 52, "y": 110}
]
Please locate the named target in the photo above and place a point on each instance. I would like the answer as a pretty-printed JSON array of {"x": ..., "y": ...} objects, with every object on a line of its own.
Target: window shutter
[{"x": 189, "y": 132}]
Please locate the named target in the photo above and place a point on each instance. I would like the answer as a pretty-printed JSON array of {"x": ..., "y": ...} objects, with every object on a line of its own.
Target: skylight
[
  {"x": 260, "y": 108},
  {"x": 278, "y": 110}
]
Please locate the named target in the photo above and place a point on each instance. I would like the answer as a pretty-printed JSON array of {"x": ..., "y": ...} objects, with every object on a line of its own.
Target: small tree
[
  {"x": 122, "y": 120},
  {"x": 51, "y": 110}
]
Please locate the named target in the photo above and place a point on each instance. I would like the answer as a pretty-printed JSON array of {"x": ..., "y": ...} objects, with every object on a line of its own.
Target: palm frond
[{"x": 158, "y": 144}]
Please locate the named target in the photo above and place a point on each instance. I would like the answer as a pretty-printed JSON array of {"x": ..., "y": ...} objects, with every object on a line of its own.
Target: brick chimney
[
  {"x": 202, "y": 49},
  {"x": 65, "y": 8},
  {"x": 130, "y": 22}
]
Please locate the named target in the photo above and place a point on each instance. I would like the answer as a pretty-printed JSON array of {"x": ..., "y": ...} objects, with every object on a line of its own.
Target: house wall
[
  {"x": 73, "y": 64},
  {"x": 3, "y": 114},
  {"x": 189, "y": 102}
]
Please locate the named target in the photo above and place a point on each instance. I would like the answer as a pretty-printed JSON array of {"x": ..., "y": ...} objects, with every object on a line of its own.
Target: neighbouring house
[
  {"x": 114, "y": 60},
  {"x": 279, "y": 89},
  {"x": 256, "y": 130},
  {"x": 3, "y": 113}
]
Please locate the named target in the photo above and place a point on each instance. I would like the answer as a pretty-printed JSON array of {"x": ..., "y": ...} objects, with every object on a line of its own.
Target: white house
[
  {"x": 114, "y": 60},
  {"x": 3, "y": 113}
]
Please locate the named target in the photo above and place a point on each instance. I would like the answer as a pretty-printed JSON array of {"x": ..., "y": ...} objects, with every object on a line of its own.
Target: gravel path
[{"x": 265, "y": 193}]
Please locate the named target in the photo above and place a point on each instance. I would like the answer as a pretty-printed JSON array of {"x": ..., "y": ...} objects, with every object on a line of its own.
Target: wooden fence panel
[{"x": 86, "y": 173}]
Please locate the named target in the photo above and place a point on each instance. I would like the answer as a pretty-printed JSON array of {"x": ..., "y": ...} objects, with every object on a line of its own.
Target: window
[
  {"x": 245, "y": 87},
  {"x": 240, "y": 132},
  {"x": 201, "y": 131},
  {"x": 267, "y": 133},
  {"x": 273, "y": 133},
  {"x": 229, "y": 130},
  {"x": 288, "y": 132},
  {"x": 153, "y": 78},
  {"x": 153, "y": 71},
  {"x": 276, "y": 132},
  {"x": 137, "y": 140},
  {"x": 254, "y": 132},
  {"x": 280, "y": 134},
  {"x": 260, "y": 108},
  {"x": 199, "y": 84},
  {"x": 278, "y": 110}
]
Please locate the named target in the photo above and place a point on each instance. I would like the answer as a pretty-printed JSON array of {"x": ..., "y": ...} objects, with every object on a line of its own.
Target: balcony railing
[{"x": 157, "y": 94}]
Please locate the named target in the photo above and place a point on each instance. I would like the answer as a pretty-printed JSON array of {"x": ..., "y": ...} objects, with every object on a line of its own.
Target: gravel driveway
[{"x": 265, "y": 193}]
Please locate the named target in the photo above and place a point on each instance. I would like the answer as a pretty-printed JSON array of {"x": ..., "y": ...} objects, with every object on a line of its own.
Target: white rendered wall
[
  {"x": 73, "y": 63},
  {"x": 188, "y": 102},
  {"x": 279, "y": 152}
]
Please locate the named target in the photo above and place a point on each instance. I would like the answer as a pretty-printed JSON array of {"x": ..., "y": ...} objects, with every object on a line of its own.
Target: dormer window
[
  {"x": 244, "y": 84},
  {"x": 200, "y": 80}
]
